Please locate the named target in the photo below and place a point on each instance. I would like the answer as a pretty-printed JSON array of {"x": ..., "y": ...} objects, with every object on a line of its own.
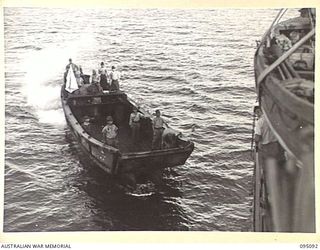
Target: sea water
[{"x": 196, "y": 66}]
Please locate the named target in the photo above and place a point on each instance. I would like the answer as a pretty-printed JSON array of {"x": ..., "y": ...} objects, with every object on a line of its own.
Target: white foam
[
  {"x": 51, "y": 117},
  {"x": 44, "y": 76}
]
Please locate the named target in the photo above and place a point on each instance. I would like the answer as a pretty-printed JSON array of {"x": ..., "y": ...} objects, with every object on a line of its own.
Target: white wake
[{"x": 44, "y": 77}]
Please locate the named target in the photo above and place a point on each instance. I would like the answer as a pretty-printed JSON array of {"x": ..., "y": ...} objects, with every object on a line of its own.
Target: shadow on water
[{"x": 116, "y": 210}]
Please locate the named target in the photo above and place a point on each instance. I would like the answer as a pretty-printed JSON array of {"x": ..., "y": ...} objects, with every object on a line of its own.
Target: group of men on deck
[
  {"x": 108, "y": 80},
  {"x": 103, "y": 80},
  {"x": 99, "y": 80},
  {"x": 110, "y": 131}
]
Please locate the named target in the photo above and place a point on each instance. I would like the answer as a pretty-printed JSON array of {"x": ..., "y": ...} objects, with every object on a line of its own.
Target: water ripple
[{"x": 195, "y": 65}]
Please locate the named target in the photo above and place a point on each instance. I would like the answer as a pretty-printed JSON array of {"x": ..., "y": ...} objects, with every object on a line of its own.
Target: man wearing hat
[{"x": 110, "y": 132}]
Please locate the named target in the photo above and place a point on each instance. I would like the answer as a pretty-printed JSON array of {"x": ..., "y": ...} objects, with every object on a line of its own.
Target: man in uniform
[{"x": 158, "y": 128}]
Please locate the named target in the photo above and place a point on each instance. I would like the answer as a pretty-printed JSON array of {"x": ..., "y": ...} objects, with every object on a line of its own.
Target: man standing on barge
[
  {"x": 73, "y": 67},
  {"x": 110, "y": 133},
  {"x": 157, "y": 125},
  {"x": 115, "y": 78},
  {"x": 134, "y": 123},
  {"x": 104, "y": 77}
]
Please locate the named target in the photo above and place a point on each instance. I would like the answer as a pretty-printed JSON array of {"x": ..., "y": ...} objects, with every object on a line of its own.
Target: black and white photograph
[{"x": 158, "y": 119}]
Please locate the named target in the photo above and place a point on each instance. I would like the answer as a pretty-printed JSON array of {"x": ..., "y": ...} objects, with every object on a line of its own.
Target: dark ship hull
[{"x": 284, "y": 192}]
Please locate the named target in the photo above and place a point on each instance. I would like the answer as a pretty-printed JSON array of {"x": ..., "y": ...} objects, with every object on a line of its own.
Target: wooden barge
[{"x": 131, "y": 162}]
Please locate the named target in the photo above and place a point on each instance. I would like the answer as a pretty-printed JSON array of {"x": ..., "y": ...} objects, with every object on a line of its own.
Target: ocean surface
[{"x": 196, "y": 66}]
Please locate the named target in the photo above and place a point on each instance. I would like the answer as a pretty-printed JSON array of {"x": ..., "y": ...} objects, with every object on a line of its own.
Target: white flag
[{"x": 71, "y": 84}]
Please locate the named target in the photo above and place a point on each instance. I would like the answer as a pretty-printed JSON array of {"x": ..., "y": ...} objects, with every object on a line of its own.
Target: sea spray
[{"x": 44, "y": 77}]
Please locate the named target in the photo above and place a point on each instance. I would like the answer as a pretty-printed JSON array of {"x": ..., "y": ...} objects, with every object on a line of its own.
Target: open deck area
[{"x": 126, "y": 143}]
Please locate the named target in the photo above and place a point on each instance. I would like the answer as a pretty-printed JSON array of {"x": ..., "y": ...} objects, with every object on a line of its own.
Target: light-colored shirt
[
  {"x": 135, "y": 117},
  {"x": 110, "y": 131},
  {"x": 115, "y": 75},
  {"x": 265, "y": 131},
  {"x": 283, "y": 42},
  {"x": 158, "y": 122}
]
